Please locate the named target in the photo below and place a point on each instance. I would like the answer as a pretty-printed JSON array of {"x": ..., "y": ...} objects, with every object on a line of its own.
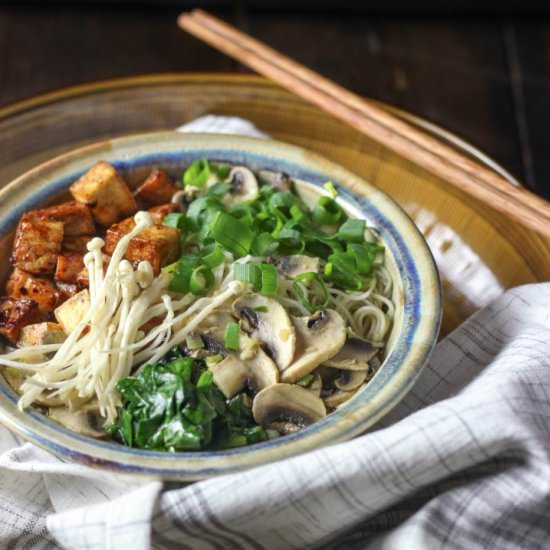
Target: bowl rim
[{"x": 421, "y": 300}]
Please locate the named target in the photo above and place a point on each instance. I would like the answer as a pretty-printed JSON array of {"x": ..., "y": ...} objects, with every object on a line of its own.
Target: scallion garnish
[
  {"x": 232, "y": 234},
  {"x": 352, "y": 231},
  {"x": 329, "y": 186},
  {"x": 213, "y": 256},
  {"x": 269, "y": 278},
  {"x": 264, "y": 244},
  {"x": 310, "y": 283},
  {"x": 232, "y": 336},
  {"x": 176, "y": 220},
  {"x": 247, "y": 273},
  {"x": 201, "y": 280},
  {"x": 197, "y": 173},
  {"x": 328, "y": 212}
]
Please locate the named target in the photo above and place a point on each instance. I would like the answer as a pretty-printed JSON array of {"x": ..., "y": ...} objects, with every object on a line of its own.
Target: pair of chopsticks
[{"x": 382, "y": 127}]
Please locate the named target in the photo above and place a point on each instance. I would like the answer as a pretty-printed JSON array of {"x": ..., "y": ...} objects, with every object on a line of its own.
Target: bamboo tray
[{"x": 480, "y": 253}]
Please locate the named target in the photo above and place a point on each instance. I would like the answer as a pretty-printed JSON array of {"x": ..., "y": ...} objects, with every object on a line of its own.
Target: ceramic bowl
[{"x": 417, "y": 295}]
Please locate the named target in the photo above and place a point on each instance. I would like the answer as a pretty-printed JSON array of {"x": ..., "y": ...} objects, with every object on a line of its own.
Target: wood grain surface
[{"x": 484, "y": 80}]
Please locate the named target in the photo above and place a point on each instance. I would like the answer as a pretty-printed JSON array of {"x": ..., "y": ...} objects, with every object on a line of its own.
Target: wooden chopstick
[{"x": 397, "y": 135}]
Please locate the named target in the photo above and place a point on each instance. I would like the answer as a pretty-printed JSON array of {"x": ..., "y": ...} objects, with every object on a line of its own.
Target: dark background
[{"x": 482, "y": 75}]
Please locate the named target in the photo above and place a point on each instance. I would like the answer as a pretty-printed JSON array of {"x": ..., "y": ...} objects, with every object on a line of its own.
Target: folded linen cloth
[{"x": 463, "y": 462}]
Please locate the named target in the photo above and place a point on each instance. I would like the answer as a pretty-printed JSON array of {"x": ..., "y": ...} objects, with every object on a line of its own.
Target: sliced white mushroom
[
  {"x": 355, "y": 355},
  {"x": 315, "y": 386},
  {"x": 84, "y": 421},
  {"x": 234, "y": 372},
  {"x": 230, "y": 375},
  {"x": 287, "y": 404},
  {"x": 279, "y": 180},
  {"x": 266, "y": 320},
  {"x": 350, "y": 379},
  {"x": 338, "y": 397},
  {"x": 243, "y": 186},
  {"x": 16, "y": 377},
  {"x": 296, "y": 264},
  {"x": 185, "y": 197},
  {"x": 318, "y": 338}
]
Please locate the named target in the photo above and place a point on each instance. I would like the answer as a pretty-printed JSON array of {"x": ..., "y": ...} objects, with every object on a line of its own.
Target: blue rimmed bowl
[{"x": 417, "y": 295}]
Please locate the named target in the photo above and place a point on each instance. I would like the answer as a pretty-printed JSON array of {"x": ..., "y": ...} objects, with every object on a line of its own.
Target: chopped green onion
[
  {"x": 221, "y": 170},
  {"x": 296, "y": 213},
  {"x": 218, "y": 189},
  {"x": 193, "y": 342},
  {"x": 212, "y": 360},
  {"x": 304, "y": 283},
  {"x": 329, "y": 186},
  {"x": 197, "y": 173},
  {"x": 248, "y": 273},
  {"x": 352, "y": 231},
  {"x": 213, "y": 255},
  {"x": 306, "y": 380},
  {"x": 201, "y": 280},
  {"x": 328, "y": 212},
  {"x": 177, "y": 220},
  {"x": 232, "y": 336},
  {"x": 364, "y": 255},
  {"x": 270, "y": 279},
  {"x": 291, "y": 241},
  {"x": 232, "y": 234},
  {"x": 170, "y": 268},
  {"x": 264, "y": 245},
  {"x": 182, "y": 273},
  {"x": 282, "y": 201},
  {"x": 198, "y": 206},
  {"x": 344, "y": 272}
]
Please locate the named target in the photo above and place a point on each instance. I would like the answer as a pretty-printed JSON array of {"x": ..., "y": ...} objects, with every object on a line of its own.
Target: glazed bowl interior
[{"x": 416, "y": 294}]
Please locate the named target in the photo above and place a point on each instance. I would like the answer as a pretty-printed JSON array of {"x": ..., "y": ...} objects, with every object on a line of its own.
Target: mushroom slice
[
  {"x": 287, "y": 404},
  {"x": 185, "y": 197},
  {"x": 350, "y": 379},
  {"x": 267, "y": 320},
  {"x": 318, "y": 338},
  {"x": 279, "y": 180},
  {"x": 262, "y": 372},
  {"x": 338, "y": 397},
  {"x": 296, "y": 264},
  {"x": 83, "y": 421},
  {"x": 315, "y": 385},
  {"x": 355, "y": 355},
  {"x": 16, "y": 377},
  {"x": 243, "y": 186},
  {"x": 230, "y": 375}
]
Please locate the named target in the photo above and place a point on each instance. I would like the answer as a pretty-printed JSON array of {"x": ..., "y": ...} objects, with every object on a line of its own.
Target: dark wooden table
[{"x": 485, "y": 80}]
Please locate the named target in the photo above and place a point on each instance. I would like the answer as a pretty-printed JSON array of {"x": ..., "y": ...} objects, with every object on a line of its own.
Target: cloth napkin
[{"x": 462, "y": 463}]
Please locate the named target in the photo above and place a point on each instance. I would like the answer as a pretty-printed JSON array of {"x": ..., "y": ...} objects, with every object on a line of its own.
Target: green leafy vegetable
[{"x": 175, "y": 405}]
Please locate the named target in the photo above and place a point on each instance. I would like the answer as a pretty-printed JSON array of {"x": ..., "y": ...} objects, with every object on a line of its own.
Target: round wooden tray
[{"x": 479, "y": 252}]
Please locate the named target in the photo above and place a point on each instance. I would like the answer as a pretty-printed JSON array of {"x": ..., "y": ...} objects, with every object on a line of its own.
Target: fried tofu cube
[
  {"x": 157, "y": 189},
  {"x": 37, "y": 244},
  {"x": 41, "y": 334},
  {"x": 16, "y": 314},
  {"x": 39, "y": 289},
  {"x": 69, "y": 265},
  {"x": 156, "y": 244},
  {"x": 76, "y": 244},
  {"x": 105, "y": 192},
  {"x": 161, "y": 211},
  {"x": 66, "y": 290},
  {"x": 71, "y": 312},
  {"x": 76, "y": 218}
]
